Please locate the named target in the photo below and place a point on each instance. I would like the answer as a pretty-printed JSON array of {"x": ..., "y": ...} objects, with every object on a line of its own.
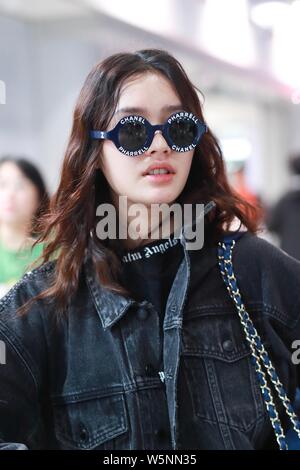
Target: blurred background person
[
  {"x": 23, "y": 197},
  {"x": 283, "y": 218}
]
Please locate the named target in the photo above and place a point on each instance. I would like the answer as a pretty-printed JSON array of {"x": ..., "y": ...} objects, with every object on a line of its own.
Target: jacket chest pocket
[
  {"x": 97, "y": 423},
  {"x": 220, "y": 378}
]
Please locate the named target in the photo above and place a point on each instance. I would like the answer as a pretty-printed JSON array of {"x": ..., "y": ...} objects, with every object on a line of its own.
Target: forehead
[
  {"x": 150, "y": 90},
  {"x": 9, "y": 169}
]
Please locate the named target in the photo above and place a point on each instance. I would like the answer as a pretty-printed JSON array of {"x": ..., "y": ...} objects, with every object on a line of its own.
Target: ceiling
[{"x": 180, "y": 30}]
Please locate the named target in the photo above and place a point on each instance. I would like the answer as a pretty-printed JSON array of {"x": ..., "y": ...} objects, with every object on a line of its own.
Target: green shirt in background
[{"x": 13, "y": 264}]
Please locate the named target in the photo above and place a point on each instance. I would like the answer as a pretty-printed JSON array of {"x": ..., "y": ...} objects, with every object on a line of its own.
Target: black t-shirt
[{"x": 148, "y": 272}]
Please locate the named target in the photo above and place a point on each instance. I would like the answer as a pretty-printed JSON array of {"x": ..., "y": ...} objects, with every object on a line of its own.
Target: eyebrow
[{"x": 171, "y": 108}]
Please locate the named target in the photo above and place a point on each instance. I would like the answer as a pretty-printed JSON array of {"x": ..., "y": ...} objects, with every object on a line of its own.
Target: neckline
[{"x": 149, "y": 250}]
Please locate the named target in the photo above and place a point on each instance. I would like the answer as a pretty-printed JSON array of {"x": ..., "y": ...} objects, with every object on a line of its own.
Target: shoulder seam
[{"x": 45, "y": 269}]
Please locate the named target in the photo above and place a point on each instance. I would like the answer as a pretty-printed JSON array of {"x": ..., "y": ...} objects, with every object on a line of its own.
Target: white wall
[
  {"x": 43, "y": 74},
  {"x": 16, "y": 116}
]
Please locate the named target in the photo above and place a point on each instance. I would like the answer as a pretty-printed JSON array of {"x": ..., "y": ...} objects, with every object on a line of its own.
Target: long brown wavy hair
[{"x": 66, "y": 229}]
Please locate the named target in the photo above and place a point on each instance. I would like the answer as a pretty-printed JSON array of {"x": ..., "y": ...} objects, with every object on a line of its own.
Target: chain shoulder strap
[{"x": 259, "y": 356}]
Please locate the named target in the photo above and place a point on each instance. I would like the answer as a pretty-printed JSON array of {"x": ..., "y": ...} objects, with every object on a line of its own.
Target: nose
[{"x": 158, "y": 144}]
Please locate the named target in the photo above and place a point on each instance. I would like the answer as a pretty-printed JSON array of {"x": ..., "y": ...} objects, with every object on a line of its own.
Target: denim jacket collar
[{"x": 111, "y": 306}]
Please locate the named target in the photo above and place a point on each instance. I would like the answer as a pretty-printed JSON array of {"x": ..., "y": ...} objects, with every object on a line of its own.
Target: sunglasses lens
[
  {"x": 132, "y": 136},
  {"x": 183, "y": 132}
]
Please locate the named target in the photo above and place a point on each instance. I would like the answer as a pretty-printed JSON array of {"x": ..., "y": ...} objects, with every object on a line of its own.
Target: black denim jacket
[{"x": 108, "y": 378}]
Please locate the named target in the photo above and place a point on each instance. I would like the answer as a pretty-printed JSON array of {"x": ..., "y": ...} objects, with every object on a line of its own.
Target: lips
[{"x": 158, "y": 166}]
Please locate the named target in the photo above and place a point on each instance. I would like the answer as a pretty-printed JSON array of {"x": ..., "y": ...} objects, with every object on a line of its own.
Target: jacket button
[
  {"x": 150, "y": 371},
  {"x": 228, "y": 345},
  {"x": 142, "y": 314},
  {"x": 83, "y": 435}
]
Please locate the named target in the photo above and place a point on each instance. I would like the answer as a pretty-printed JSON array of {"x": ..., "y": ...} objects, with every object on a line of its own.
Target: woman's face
[
  {"x": 18, "y": 196},
  {"x": 154, "y": 98}
]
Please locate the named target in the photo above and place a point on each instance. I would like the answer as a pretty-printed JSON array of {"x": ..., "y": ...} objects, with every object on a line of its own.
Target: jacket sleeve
[
  {"x": 21, "y": 362},
  {"x": 270, "y": 281},
  {"x": 12, "y": 446}
]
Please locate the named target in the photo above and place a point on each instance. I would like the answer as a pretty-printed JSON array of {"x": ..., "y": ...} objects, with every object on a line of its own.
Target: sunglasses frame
[{"x": 113, "y": 134}]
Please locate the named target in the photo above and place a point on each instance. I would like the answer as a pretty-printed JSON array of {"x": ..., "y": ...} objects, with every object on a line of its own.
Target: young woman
[
  {"x": 23, "y": 198},
  {"x": 135, "y": 343}
]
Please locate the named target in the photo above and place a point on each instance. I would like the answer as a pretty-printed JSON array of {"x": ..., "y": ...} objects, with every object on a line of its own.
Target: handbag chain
[{"x": 259, "y": 356}]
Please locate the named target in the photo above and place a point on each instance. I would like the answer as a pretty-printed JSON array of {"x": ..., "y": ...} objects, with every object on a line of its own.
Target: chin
[
  {"x": 162, "y": 197},
  {"x": 160, "y": 200}
]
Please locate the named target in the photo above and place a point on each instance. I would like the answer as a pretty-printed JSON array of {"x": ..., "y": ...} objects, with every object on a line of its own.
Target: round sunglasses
[{"x": 133, "y": 134}]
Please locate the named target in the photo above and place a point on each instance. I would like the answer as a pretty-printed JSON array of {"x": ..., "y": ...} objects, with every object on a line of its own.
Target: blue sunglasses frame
[{"x": 113, "y": 134}]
